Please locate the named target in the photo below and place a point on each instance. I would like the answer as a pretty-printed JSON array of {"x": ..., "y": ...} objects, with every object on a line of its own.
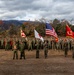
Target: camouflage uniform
[
  {"x": 17, "y": 44},
  {"x": 45, "y": 49},
  {"x": 0, "y": 44},
  {"x": 49, "y": 44},
  {"x": 8, "y": 45},
  {"x": 73, "y": 49},
  {"x": 53, "y": 44},
  {"x": 42, "y": 45},
  {"x": 15, "y": 52},
  {"x": 70, "y": 44},
  {"x": 37, "y": 49},
  {"x": 22, "y": 52},
  {"x": 60, "y": 44},
  {"x": 66, "y": 47},
  {"x": 25, "y": 44},
  {"x": 33, "y": 44},
  {"x": 39, "y": 44},
  {"x": 11, "y": 44},
  {"x": 29, "y": 45}
]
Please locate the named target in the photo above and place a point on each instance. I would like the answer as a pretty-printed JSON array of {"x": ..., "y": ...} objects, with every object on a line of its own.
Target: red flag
[
  {"x": 23, "y": 34},
  {"x": 73, "y": 34},
  {"x": 69, "y": 32}
]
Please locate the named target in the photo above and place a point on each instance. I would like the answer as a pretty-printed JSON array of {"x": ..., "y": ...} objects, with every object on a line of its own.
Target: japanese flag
[{"x": 37, "y": 35}]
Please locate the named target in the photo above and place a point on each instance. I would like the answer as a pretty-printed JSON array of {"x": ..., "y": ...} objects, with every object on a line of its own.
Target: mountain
[
  {"x": 14, "y": 22},
  {"x": 5, "y": 24}
]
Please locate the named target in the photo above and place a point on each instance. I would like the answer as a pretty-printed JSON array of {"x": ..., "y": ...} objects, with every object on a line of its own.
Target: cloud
[{"x": 35, "y": 9}]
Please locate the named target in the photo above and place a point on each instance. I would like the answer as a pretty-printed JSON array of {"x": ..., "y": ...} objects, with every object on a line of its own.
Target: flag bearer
[
  {"x": 37, "y": 48},
  {"x": 45, "y": 49},
  {"x": 22, "y": 52}
]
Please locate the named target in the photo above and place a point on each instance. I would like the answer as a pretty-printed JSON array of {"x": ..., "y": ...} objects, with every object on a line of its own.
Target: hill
[{"x": 5, "y": 24}]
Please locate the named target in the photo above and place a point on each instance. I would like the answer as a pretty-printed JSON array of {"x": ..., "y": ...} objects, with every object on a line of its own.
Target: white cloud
[{"x": 35, "y": 9}]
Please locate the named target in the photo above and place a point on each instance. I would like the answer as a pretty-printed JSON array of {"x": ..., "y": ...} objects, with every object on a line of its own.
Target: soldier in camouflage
[
  {"x": 15, "y": 51},
  {"x": 65, "y": 47},
  {"x": 73, "y": 49},
  {"x": 22, "y": 52},
  {"x": 46, "y": 49},
  {"x": 37, "y": 48}
]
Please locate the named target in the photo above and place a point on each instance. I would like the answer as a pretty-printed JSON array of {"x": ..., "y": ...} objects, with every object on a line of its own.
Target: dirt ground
[{"x": 55, "y": 64}]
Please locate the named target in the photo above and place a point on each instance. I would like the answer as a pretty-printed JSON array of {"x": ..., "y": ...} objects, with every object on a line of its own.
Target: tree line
[{"x": 28, "y": 28}]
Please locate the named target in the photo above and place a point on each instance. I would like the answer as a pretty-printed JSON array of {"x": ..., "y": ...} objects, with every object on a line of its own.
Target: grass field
[{"x": 55, "y": 64}]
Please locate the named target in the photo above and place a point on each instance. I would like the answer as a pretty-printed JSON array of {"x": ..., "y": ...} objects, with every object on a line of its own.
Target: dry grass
[{"x": 55, "y": 64}]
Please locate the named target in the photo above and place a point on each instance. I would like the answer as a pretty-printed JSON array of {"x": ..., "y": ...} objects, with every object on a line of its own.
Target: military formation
[{"x": 23, "y": 44}]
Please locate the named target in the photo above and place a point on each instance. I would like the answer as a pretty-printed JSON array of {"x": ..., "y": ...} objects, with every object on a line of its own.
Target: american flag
[
  {"x": 23, "y": 34},
  {"x": 50, "y": 30}
]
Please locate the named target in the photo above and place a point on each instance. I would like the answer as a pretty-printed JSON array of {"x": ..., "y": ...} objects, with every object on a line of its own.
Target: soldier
[
  {"x": 73, "y": 49},
  {"x": 42, "y": 44},
  {"x": 70, "y": 44},
  {"x": 60, "y": 44},
  {"x": 11, "y": 43},
  {"x": 49, "y": 44},
  {"x": 66, "y": 47},
  {"x": 7, "y": 45},
  {"x": 29, "y": 45},
  {"x": 39, "y": 43},
  {"x": 37, "y": 49},
  {"x": 45, "y": 49},
  {"x": 15, "y": 51},
  {"x": 26, "y": 43},
  {"x": 33, "y": 44},
  {"x": 53, "y": 44},
  {"x": 22, "y": 52},
  {"x": 17, "y": 43},
  {"x": 0, "y": 43}
]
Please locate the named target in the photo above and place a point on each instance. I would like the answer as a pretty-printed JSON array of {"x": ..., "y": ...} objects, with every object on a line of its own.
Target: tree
[
  {"x": 41, "y": 29},
  {"x": 13, "y": 30}
]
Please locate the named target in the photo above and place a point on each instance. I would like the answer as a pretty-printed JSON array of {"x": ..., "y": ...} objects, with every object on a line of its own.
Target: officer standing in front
[
  {"x": 15, "y": 51},
  {"x": 22, "y": 52}
]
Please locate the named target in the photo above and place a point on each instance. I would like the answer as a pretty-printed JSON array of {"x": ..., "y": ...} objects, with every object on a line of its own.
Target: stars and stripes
[{"x": 50, "y": 30}]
